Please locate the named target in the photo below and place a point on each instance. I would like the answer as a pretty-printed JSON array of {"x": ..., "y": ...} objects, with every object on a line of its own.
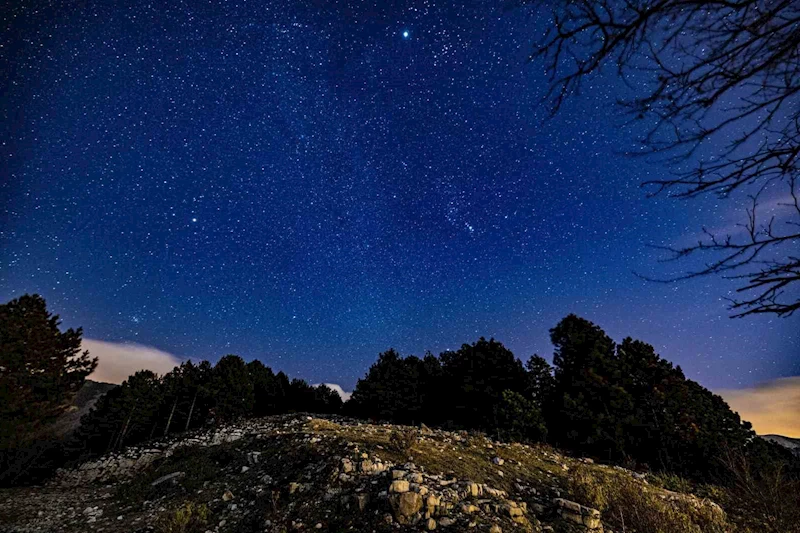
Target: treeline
[
  {"x": 146, "y": 406},
  {"x": 616, "y": 402},
  {"x": 42, "y": 369}
]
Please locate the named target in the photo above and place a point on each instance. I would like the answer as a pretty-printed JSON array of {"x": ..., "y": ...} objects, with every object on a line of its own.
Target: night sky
[{"x": 312, "y": 185}]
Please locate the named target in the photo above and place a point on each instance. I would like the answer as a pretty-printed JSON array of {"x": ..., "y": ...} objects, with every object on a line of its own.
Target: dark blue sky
[{"x": 313, "y": 185}]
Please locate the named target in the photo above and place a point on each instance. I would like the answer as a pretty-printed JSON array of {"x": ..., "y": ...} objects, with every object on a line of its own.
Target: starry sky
[{"x": 311, "y": 184}]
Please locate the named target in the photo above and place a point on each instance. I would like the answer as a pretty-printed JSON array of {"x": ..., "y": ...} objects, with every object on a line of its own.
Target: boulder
[
  {"x": 579, "y": 514},
  {"x": 405, "y": 506},
  {"x": 399, "y": 485}
]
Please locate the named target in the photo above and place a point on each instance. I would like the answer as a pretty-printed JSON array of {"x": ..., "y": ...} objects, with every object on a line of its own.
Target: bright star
[
  {"x": 405, "y": 34},
  {"x": 194, "y": 220}
]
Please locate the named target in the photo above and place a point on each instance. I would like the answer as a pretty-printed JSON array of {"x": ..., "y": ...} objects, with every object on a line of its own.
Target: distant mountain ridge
[
  {"x": 84, "y": 400},
  {"x": 786, "y": 442}
]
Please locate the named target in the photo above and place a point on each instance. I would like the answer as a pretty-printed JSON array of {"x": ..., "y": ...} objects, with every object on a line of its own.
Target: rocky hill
[
  {"x": 300, "y": 473},
  {"x": 84, "y": 400}
]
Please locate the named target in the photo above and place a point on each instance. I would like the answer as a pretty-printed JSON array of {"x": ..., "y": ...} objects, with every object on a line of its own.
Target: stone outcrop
[{"x": 579, "y": 514}]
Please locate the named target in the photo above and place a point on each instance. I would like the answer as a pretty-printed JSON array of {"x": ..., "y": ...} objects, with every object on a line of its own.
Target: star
[{"x": 406, "y": 34}]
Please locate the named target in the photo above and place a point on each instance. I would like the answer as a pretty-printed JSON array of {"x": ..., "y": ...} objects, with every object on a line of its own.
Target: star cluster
[{"x": 311, "y": 185}]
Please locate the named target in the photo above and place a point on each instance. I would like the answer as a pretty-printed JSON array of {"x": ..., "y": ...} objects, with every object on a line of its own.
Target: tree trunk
[
  {"x": 189, "y": 419},
  {"x": 169, "y": 420},
  {"x": 124, "y": 430}
]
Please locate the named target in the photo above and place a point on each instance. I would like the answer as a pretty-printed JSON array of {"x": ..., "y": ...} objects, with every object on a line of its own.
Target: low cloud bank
[
  {"x": 117, "y": 361},
  {"x": 338, "y": 388},
  {"x": 772, "y": 407}
]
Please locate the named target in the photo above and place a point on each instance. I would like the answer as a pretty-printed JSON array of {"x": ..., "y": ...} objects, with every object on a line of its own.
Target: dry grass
[
  {"x": 627, "y": 505},
  {"x": 632, "y": 506},
  {"x": 402, "y": 440},
  {"x": 188, "y": 518}
]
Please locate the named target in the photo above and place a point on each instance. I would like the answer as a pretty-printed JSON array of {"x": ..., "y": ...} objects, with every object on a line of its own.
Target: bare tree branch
[{"x": 718, "y": 95}]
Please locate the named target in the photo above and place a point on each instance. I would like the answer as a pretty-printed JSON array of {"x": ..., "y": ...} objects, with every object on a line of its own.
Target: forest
[{"x": 619, "y": 403}]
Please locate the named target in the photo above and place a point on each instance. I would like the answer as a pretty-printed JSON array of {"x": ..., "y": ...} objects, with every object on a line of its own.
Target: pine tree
[
  {"x": 475, "y": 377},
  {"x": 540, "y": 381},
  {"x": 232, "y": 389},
  {"x": 41, "y": 369},
  {"x": 589, "y": 406}
]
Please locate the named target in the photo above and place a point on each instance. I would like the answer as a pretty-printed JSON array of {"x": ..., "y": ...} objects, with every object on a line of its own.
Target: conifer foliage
[
  {"x": 146, "y": 406},
  {"x": 614, "y": 402},
  {"x": 41, "y": 369}
]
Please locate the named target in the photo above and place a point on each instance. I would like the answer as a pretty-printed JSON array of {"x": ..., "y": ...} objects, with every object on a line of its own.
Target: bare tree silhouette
[{"x": 717, "y": 89}]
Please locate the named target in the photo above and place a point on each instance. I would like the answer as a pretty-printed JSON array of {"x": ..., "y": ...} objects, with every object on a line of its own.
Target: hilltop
[
  {"x": 298, "y": 473},
  {"x": 787, "y": 442}
]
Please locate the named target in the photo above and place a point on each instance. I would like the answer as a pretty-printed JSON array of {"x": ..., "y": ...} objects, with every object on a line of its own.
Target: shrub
[
  {"x": 402, "y": 440},
  {"x": 765, "y": 497},
  {"x": 188, "y": 518},
  {"x": 519, "y": 419},
  {"x": 672, "y": 482},
  {"x": 628, "y": 505},
  {"x": 587, "y": 488}
]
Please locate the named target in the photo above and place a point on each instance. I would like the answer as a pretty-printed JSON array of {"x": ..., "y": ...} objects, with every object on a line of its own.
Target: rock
[
  {"x": 469, "y": 508},
  {"x": 362, "y": 499},
  {"x": 405, "y": 505},
  {"x": 227, "y": 496},
  {"x": 498, "y": 461},
  {"x": 399, "y": 485},
  {"x": 347, "y": 465},
  {"x": 398, "y": 474},
  {"x": 430, "y": 524},
  {"x": 294, "y": 487},
  {"x": 495, "y": 529},
  {"x": 245, "y": 469},
  {"x": 416, "y": 478},
  {"x": 446, "y": 521},
  {"x": 162, "y": 479},
  {"x": 577, "y": 513},
  {"x": 474, "y": 490},
  {"x": 495, "y": 493}
]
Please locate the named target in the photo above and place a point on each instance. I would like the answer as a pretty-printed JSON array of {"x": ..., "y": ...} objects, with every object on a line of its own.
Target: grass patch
[
  {"x": 672, "y": 482},
  {"x": 187, "y": 518},
  {"x": 631, "y": 506}
]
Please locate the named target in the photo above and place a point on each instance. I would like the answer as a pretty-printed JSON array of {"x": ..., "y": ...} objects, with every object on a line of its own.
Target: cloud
[
  {"x": 772, "y": 407},
  {"x": 338, "y": 388},
  {"x": 117, "y": 361}
]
